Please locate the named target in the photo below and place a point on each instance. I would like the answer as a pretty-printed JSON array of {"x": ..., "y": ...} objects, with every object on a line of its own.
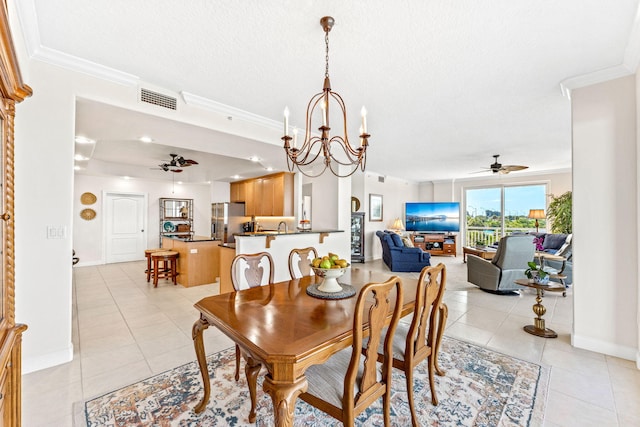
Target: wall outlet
[
  {"x": 56, "y": 232},
  {"x": 193, "y": 251}
]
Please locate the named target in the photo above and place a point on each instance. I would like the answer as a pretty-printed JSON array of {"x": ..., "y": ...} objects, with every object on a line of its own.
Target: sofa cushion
[
  {"x": 554, "y": 241},
  {"x": 407, "y": 242},
  {"x": 397, "y": 240}
]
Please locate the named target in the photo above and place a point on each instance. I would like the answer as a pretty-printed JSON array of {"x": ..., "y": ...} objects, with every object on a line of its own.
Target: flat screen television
[{"x": 436, "y": 217}]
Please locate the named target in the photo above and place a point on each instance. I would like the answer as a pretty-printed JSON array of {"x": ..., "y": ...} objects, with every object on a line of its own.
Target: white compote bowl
[{"x": 329, "y": 278}]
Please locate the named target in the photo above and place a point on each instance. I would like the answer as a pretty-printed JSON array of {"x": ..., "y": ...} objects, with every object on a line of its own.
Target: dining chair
[
  {"x": 301, "y": 259},
  {"x": 258, "y": 271},
  {"x": 421, "y": 339},
  {"x": 351, "y": 380}
]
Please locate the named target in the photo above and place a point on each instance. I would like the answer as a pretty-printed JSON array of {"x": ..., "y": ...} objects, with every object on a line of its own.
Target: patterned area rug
[{"x": 480, "y": 388}]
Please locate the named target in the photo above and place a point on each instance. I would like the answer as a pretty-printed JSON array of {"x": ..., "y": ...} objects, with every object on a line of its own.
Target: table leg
[
  {"x": 252, "y": 369},
  {"x": 284, "y": 395},
  {"x": 538, "y": 328},
  {"x": 196, "y": 333}
]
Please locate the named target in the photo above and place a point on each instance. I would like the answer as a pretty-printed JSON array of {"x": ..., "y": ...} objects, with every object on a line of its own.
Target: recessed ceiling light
[
  {"x": 126, "y": 177},
  {"x": 76, "y": 167},
  {"x": 269, "y": 169},
  {"x": 254, "y": 158},
  {"x": 146, "y": 139},
  {"x": 80, "y": 157},
  {"x": 236, "y": 177},
  {"x": 84, "y": 140},
  {"x": 179, "y": 182}
]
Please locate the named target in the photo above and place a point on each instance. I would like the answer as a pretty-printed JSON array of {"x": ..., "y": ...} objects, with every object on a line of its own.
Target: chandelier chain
[{"x": 326, "y": 58}]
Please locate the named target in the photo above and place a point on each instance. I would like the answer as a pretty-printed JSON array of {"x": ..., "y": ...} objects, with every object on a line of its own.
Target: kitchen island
[
  {"x": 278, "y": 245},
  {"x": 198, "y": 259}
]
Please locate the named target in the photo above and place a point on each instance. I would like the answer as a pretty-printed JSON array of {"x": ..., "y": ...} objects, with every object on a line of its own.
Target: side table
[{"x": 538, "y": 328}]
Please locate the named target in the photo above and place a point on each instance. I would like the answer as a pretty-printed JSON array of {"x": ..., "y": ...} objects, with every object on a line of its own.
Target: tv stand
[{"x": 436, "y": 243}]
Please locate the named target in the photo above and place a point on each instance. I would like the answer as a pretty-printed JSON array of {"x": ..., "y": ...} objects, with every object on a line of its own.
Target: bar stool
[
  {"x": 165, "y": 265},
  {"x": 147, "y": 255}
]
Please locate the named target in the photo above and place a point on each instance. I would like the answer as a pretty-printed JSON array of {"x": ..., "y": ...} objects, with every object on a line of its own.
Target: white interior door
[{"x": 125, "y": 227}]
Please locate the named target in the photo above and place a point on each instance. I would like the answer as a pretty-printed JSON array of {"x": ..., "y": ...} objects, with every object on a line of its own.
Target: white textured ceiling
[{"x": 447, "y": 83}]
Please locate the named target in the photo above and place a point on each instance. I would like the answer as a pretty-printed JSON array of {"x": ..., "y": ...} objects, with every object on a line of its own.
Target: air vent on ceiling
[
  {"x": 381, "y": 179},
  {"x": 158, "y": 99}
]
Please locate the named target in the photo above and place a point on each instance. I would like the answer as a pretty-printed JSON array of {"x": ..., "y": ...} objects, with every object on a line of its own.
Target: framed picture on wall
[{"x": 375, "y": 207}]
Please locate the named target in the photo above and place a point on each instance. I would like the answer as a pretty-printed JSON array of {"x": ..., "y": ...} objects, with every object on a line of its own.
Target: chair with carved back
[
  {"x": 419, "y": 340},
  {"x": 258, "y": 271},
  {"x": 300, "y": 262},
  {"x": 351, "y": 380}
]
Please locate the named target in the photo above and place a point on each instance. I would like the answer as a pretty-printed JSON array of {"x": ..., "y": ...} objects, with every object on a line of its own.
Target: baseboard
[
  {"x": 32, "y": 364},
  {"x": 89, "y": 263},
  {"x": 605, "y": 347}
]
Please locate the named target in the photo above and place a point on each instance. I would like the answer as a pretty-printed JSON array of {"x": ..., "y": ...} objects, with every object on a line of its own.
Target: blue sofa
[{"x": 398, "y": 257}]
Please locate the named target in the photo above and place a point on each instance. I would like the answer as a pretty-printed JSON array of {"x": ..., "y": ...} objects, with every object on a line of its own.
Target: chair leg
[
  {"x": 156, "y": 271},
  {"x": 442, "y": 322},
  {"x": 432, "y": 383},
  {"x": 237, "y": 363},
  {"x": 408, "y": 373}
]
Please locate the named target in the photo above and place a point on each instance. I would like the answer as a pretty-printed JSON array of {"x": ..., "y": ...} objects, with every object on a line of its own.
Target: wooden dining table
[{"x": 281, "y": 327}]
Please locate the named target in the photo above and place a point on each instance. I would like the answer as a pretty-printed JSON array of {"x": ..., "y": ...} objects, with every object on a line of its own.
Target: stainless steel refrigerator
[{"x": 226, "y": 219}]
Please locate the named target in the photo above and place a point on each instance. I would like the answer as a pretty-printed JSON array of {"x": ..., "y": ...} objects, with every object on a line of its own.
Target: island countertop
[
  {"x": 189, "y": 238},
  {"x": 284, "y": 233}
]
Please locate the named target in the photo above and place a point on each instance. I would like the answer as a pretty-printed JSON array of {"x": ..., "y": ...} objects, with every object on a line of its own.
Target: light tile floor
[{"x": 124, "y": 330}]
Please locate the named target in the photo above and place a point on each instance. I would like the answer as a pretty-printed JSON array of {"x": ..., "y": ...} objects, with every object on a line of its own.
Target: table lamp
[
  {"x": 536, "y": 214},
  {"x": 397, "y": 226}
]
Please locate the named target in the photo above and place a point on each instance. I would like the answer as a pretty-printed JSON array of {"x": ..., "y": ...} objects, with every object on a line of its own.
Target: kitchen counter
[
  {"x": 189, "y": 238},
  {"x": 279, "y": 245},
  {"x": 198, "y": 259}
]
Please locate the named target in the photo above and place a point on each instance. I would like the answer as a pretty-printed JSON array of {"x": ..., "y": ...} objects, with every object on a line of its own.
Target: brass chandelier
[{"x": 336, "y": 149}]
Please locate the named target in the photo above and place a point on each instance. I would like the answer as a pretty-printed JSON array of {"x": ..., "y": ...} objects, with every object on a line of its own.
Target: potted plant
[{"x": 536, "y": 273}]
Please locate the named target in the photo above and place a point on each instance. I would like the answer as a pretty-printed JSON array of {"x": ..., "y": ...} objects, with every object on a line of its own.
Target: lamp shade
[
  {"x": 536, "y": 213},
  {"x": 397, "y": 224}
]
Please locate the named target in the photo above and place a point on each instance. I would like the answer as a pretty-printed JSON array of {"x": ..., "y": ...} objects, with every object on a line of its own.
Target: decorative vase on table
[{"x": 541, "y": 280}]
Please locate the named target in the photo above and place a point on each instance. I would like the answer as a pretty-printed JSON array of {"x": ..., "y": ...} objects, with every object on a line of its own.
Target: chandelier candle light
[{"x": 303, "y": 157}]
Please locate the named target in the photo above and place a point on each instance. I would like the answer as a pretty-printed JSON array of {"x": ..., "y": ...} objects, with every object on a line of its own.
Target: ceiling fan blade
[
  {"x": 513, "y": 168},
  {"x": 176, "y": 170},
  {"x": 190, "y": 162}
]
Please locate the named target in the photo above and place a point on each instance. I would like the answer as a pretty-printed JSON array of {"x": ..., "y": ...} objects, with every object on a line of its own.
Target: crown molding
[
  {"x": 29, "y": 23},
  {"x": 229, "y": 111},
  {"x": 611, "y": 73},
  {"x": 629, "y": 65},
  {"x": 73, "y": 63}
]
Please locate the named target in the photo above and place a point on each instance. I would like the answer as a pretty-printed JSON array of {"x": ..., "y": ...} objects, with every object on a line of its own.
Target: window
[{"x": 494, "y": 212}]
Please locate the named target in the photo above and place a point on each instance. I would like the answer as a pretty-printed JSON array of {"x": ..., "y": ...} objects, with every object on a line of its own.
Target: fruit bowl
[{"x": 329, "y": 278}]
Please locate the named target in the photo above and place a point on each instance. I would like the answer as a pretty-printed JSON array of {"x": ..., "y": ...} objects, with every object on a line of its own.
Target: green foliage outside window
[{"x": 559, "y": 213}]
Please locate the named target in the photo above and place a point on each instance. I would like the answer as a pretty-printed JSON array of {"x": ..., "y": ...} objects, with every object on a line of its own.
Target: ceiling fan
[
  {"x": 175, "y": 164},
  {"x": 497, "y": 167}
]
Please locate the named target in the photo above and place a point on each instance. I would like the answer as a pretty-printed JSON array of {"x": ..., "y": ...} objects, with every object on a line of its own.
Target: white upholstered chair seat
[{"x": 327, "y": 380}]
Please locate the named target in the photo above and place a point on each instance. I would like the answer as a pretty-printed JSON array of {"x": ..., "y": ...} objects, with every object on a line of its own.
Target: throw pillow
[
  {"x": 396, "y": 239},
  {"x": 554, "y": 241},
  {"x": 407, "y": 242}
]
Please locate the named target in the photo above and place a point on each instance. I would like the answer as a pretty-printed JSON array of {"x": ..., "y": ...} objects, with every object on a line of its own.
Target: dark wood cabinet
[{"x": 357, "y": 236}]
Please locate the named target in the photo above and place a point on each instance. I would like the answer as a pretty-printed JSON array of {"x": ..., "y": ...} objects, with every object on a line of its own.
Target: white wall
[
  {"x": 605, "y": 201},
  {"x": 395, "y": 192},
  {"x": 88, "y": 239}
]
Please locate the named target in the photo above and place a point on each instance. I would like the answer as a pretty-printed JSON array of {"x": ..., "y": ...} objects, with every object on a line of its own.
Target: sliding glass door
[{"x": 493, "y": 212}]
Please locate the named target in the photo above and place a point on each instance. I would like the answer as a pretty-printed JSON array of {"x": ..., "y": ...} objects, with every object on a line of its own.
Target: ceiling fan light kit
[
  {"x": 176, "y": 163},
  {"x": 302, "y": 158}
]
